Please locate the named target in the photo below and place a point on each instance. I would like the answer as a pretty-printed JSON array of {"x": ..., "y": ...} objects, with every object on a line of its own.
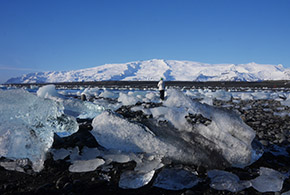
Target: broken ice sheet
[
  {"x": 268, "y": 181},
  {"x": 223, "y": 180},
  {"x": 175, "y": 179},
  {"x": 134, "y": 180}
]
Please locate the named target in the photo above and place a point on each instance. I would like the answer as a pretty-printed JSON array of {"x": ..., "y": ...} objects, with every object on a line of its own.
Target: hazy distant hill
[{"x": 168, "y": 69}]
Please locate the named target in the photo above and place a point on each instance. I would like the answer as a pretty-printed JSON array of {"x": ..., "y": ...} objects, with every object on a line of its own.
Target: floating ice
[
  {"x": 175, "y": 179},
  {"x": 86, "y": 165},
  {"x": 134, "y": 180},
  {"x": 223, "y": 180},
  {"x": 268, "y": 181},
  {"x": 27, "y": 125}
]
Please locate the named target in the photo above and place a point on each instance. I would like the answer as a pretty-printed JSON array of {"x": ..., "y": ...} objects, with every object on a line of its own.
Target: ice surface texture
[
  {"x": 27, "y": 125},
  {"x": 134, "y": 180},
  {"x": 268, "y": 181},
  {"x": 223, "y": 180},
  {"x": 227, "y": 139},
  {"x": 174, "y": 179},
  {"x": 86, "y": 165}
]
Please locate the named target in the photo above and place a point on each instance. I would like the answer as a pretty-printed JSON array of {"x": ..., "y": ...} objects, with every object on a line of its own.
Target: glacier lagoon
[{"x": 185, "y": 129}]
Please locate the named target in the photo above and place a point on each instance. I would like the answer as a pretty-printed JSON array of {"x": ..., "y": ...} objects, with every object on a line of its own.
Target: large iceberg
[
  {"x": 27, "y": 125},
  {"x": 183, "y": 130}
]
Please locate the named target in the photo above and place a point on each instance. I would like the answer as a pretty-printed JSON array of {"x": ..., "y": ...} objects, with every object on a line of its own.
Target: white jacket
[{"x": 161, "y": 85}]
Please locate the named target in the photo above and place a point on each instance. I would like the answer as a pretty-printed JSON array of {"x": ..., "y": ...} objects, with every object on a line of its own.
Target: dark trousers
[{"x": 162, "y": 94}]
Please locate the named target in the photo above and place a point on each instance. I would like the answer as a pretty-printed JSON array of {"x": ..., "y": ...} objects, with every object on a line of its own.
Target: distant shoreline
[{"x": 152, "y": 84}]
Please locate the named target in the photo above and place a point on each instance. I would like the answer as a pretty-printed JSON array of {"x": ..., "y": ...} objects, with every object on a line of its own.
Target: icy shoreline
[{"x": 252, "y": 111}]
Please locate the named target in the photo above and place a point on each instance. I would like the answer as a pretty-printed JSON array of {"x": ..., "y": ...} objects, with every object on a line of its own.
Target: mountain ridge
[{"x": 172, "y": 70}]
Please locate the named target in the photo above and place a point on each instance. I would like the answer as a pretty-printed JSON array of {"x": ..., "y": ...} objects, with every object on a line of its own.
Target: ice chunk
[
  {"x": 286, "y": 102},
  {"x": 120, "y": 158},
  {"x": 224, "y": 136},
  {"x": 60, "y": 154},
  {"x": 246, "y": 96},
  {"x": 16, "y": 165},
  {"x": 134, "y": 180},
  {"x": 81, "y": 109},
  {"x": 176, "y": 115},
  {"x": 227, "y": 131},
  {"x": 109, "y": 94},
  {"x": 151, "y": 96},
  {"x": 149, "y": 164},
  {"x": 107, "y": 104},
  {"x": 207, "y": 100},
  {"x": 223, "y": 180},
  {"x": 114, "y": 132},
  {"x": 47, "y": 91},
  {"x": 86, "y": 165},
  {"x": 27, "y": 125},
  {"x": 268, "y": 181},
  {"x": 128, "y": 99},
  {"x": 175, "y": 179},
  {"x": 90, "y": 153},
  {"x": 219, "y": 95},
  {"x": 73, "y": 107},
  {"x": 73, "y": 153}
]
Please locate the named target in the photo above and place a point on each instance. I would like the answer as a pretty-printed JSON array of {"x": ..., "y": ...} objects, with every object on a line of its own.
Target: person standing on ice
[{"x": 161, "y": 87}]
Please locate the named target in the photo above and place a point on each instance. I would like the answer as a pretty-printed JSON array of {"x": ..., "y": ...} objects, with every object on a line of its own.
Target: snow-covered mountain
[{"x": 168, "y": 69}]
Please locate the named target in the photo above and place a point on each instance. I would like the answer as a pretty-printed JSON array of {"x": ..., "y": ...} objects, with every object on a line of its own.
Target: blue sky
[{"x": 44, "y": 35}]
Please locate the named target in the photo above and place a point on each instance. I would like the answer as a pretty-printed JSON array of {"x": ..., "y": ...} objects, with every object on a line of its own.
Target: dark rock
[
  {"x": 46, "y": 188},
  {"x": 83, "y": 97},
  {"x": 67, "y": 187},
  {"x": 264, "y": 142},
  {"x": 61, "y": 182}
]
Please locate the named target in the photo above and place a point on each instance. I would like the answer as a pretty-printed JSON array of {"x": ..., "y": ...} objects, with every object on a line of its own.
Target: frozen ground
[{"x": 130, "y": 139}]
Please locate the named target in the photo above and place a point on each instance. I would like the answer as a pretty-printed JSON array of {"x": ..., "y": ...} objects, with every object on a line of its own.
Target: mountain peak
[{"x": 150, "y": 70}]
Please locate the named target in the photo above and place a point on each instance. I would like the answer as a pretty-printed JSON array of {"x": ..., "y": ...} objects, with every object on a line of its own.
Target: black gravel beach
[{"x": 271, "y": 130}]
